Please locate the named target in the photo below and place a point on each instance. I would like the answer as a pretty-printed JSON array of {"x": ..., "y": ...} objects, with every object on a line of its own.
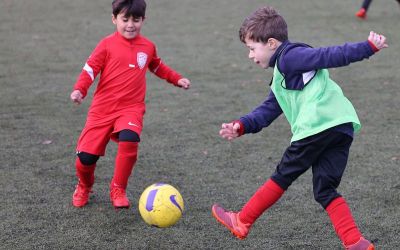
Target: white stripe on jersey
[
  {"x": 308, "y": 76},
  {"x": 89, "y": 70},
  {"x": 155, "y": 70}
]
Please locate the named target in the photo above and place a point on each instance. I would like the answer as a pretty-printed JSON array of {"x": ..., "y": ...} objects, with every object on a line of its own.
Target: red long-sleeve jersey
[{"x": 123, "y": 64}]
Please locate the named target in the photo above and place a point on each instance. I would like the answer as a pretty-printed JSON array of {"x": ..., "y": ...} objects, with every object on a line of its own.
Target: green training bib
[{"x": 318, "y": 106}]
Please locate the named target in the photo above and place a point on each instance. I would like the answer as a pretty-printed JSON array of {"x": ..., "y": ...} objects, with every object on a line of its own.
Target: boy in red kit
[
  {"x": 362, "y": 12},
  {"x": 118, "y": 104},
  {"x": 322, "y": 121}
]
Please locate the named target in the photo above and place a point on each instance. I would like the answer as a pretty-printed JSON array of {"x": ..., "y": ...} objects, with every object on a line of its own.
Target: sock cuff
[
  {"x": 127, "y": 147},
  {"x": 84, "y": 168},
  {"x": 335, "y": 203},
  {"x": 273, "y": 186}
]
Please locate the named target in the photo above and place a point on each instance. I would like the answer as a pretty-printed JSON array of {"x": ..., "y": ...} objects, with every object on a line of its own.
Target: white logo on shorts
[
  {"x": 141, "y": 59},
  {"x": 132, "y": 124}
]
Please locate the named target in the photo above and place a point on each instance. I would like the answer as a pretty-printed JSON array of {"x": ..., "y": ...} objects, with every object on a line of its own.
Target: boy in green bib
[{"x": 322, "y": 120}]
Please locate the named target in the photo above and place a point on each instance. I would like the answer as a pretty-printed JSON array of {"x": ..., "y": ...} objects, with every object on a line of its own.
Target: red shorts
[{"x": 99, "y": 130}]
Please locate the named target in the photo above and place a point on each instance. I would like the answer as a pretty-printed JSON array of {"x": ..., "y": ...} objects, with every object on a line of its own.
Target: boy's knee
[
  {"x": 128, "y": 135},
  {"x": 325, "y": 199},
  {"x": 87, "y": 159},
  {"x": 324, "y": 188}
]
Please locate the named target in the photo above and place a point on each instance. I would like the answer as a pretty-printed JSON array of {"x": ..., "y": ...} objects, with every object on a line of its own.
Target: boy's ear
[
  {"x": 273, "y": 43},
  {"x": 113, "y": 19}
]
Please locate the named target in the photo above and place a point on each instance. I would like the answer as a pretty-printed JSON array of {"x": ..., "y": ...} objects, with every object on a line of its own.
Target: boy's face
[
  {"x": 261, "y": 53},
  {"x": 128, "y": 27}
]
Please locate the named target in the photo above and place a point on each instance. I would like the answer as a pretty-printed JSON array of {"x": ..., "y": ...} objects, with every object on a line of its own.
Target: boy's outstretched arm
[
  {"x": 92, "y": 68},
  {"x": 305, "y": 59},
  {"x": 163, "y": 71},
  {"x": 261, "y": 117}
]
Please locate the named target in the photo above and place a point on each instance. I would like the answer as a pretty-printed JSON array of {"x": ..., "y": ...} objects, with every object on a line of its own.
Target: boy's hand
[
  {"x": 379, "y": 41},
  {"x": 229, "y": 131},
  {"x": 184, "y": 83},
  {"x": 76, "y": 96}
]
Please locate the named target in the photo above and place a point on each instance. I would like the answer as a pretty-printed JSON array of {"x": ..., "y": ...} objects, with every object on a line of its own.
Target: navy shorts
[{"x": 326, "y": 153}]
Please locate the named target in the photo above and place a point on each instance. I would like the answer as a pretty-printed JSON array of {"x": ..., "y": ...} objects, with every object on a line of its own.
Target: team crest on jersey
[{"x": 141, "y": 59}]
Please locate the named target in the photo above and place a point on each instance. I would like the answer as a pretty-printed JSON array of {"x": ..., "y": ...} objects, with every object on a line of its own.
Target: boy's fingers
[
  {"x": 227, "y": 125},
  {"x": 236, "y": 127},
  {"x": 226, "y": 137},
  {"x": 76, "y": 101},
  {"x": 371, "y": 35},
  {"x": 222, "y": 132}
]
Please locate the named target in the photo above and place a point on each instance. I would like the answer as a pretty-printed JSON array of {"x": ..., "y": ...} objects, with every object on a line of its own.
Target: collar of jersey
[{"x": 128, "y": 42}]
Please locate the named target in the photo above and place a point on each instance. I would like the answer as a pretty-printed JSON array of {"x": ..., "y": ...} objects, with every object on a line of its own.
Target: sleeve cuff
[
  {"x": 241, "y": 129},
  {"x": 174, "y": 79},
  {"x": 374, "y": 48},
  {"x": 83, "y": 92}
]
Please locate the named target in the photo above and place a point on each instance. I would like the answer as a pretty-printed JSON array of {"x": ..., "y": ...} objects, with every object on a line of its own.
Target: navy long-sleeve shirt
[{"x": 298, "y": 63}]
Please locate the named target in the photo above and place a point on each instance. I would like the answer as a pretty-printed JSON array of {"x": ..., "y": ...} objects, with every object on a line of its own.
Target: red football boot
[
  {"x": 231, "y": 221},
  {"x": 118, "y": 197},
  {"x": 81, "y": 195},
  {"x": 362, "y": 244},
  {"x": 361, "y": 13}
]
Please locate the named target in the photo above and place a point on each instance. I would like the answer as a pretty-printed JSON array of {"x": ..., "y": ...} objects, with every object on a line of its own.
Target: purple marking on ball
[
  {"x": 150, "y": 199},
  {"x": 173, "y": 200},
  {"x": 159, "y": 184}
]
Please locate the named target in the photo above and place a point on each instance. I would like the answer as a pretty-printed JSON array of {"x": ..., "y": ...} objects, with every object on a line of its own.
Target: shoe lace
[
  {"x": 118, "y": 193},
  {"x": 82, "y": 191}
]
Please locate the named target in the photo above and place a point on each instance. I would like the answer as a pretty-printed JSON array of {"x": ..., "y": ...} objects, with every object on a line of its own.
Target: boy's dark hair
[
  {"x": 263, "y": 24},
  {"x": 135, "y": 8}
]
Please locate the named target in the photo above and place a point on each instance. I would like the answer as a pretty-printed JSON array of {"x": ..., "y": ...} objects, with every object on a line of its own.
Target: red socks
[
  {"x": 266, "y": 196},
  {"x": 343, "y": 222},
  {"x": 85, "y": 173},
  {"x": 124, "y": 162},
  {"x": 338, "y": 211}
]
